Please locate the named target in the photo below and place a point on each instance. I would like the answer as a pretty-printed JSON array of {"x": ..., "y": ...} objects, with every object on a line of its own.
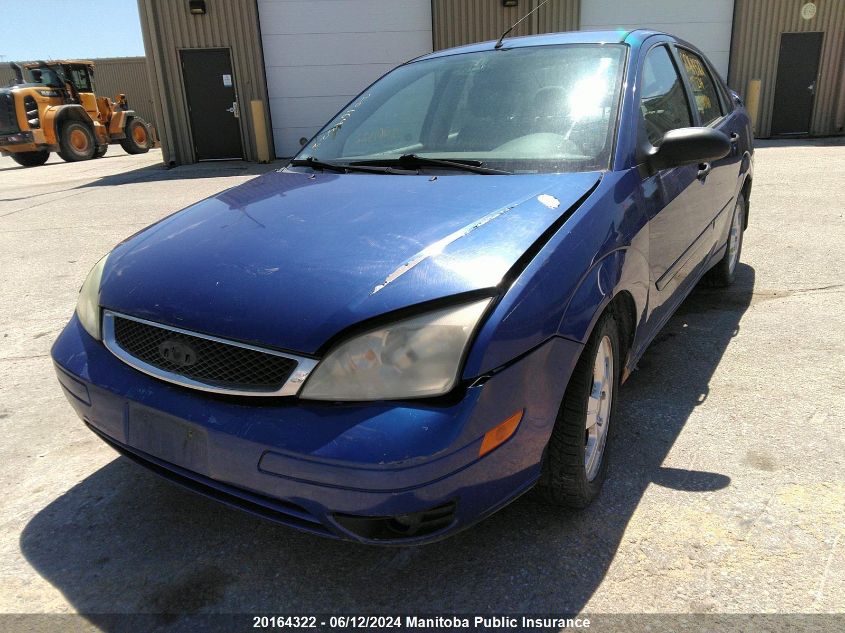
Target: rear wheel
[
  {"x": 138, "y": 139},
  {"x": 724, "y": 273},
  {"x": 31, "y": 159},
  {"x": 574, "y": 466},
  {"x": 76, "y": 142}
]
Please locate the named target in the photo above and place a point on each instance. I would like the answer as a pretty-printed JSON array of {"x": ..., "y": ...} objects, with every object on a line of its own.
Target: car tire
[
  {"x": 138, "y": 138},
  {"x": 101, "y": 151},
  {"x": 723, "y": 273},
  {"x": 31, "y": 159},
  {"x": 76, "y": 142},
  {"x": 575, "y": 465}
]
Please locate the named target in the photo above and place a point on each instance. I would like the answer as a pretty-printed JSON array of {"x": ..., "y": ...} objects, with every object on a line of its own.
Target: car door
[
  {"x": 713, "y": 200},
  {"x": 670, "y": 195}
]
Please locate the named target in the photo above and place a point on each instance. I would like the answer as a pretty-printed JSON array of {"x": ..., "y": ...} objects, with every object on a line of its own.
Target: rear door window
[{"x": 703, "y": 87}]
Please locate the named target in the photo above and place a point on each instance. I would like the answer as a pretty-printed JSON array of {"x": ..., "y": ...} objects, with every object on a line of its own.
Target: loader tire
[
  {"x": 76, "y": 142},
  {"x": 101, "y": 151},
  {"x": 138, "y": 139},
  {"x": 31, "y": 159}
]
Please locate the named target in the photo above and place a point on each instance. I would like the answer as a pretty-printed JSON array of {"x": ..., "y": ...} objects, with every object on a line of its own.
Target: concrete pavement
[{"x": 726, "y": 490}]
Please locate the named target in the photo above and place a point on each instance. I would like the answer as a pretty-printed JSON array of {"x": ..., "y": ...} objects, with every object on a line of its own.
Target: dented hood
[{"x": 290, "y": 259}]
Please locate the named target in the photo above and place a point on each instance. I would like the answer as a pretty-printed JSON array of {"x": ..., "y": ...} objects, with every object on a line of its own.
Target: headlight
[
  {"x": 413, "y": 358},
  {"x": 49, "y": 93},
  {"x": 88, "y": 304}
]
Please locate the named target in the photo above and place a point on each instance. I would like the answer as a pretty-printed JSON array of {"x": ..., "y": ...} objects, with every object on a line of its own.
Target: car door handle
[
  {"x": 703, "y": 170},
  {"x": 734, "y": 143}
]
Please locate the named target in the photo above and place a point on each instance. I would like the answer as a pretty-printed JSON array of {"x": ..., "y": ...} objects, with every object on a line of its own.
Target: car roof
[{"x": 618, "y": 36}]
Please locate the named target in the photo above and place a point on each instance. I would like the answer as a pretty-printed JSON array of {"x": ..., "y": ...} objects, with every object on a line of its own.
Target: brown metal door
[
  {"x": 795, "y": 88},
  {"x": 212, "y": 103}
]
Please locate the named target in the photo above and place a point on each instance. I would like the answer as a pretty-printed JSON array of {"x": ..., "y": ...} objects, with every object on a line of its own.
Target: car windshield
[{"x": 528, "y": 110}]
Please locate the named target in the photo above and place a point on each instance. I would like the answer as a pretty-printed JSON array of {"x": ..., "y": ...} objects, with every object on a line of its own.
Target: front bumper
[
  {"x": 312, "y": 465},
  {"x": 17, "y": 142}
]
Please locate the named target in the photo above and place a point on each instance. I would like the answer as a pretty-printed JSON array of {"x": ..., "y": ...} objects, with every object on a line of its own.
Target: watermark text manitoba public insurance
[
  {"x": 594, "y": 622},
  {"x": 411, "y": 622}
]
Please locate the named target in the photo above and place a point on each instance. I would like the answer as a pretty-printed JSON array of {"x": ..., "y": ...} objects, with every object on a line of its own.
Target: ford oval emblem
[{"x": 177, "y": 353}]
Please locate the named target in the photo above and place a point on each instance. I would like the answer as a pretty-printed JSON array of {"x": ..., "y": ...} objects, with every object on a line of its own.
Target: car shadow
[
  {"x": 152, "y": 173},
  {"x": 124, "y": 541},
  {"x": 160, "y": 171}
]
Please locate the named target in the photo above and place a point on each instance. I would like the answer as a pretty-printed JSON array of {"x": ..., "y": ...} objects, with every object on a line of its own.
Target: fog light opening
[
  {"x": 401, "y": 526},
  {"x": 406, "y": 523}
]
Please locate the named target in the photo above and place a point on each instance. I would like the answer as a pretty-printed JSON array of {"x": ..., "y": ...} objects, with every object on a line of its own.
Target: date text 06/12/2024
[{"x": 420, "y": 622}]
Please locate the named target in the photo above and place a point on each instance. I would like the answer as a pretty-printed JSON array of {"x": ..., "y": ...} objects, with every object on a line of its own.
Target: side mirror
[{"x": 689, "y": 145}]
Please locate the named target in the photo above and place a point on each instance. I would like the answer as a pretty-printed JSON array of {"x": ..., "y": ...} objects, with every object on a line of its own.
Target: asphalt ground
[{"x": 726, "y": 490}]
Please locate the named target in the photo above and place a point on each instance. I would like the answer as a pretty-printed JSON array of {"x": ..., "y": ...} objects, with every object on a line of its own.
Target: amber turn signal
[{"x": 500, "y": 434}]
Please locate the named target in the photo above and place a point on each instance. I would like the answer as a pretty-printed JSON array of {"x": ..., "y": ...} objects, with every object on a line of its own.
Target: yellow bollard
[
  {"x": 752, "y": 102},
  {"x": 259, "y": 127}
]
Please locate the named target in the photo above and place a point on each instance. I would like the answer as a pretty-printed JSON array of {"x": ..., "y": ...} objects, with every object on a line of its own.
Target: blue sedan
[{"x": 431, "y": 309}]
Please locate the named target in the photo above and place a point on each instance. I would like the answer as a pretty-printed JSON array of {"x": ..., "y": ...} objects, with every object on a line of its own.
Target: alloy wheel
[{"x": 598, "y": 408}]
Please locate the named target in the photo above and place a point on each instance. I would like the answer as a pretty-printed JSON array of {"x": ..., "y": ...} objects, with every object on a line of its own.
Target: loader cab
[
  {"x": 74, "y": 78},
  {"x": 46, "y": 77},
  {"x": 81, "y": 77}
]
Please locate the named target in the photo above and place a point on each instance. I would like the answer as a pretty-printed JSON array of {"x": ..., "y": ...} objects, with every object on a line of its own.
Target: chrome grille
[{"x": 203, "y": 362}]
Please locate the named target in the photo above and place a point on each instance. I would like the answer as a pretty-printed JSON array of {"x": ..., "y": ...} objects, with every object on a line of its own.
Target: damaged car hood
[{"x": 290, "y": 259}]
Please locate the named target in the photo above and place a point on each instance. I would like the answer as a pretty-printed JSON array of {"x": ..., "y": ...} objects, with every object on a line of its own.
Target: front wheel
[
  {"x": 31, "y": 159},
  {"x": 138, "y": 138},
  {"x": 574, "y": 466},
  {"x": 76, "y": 142}
]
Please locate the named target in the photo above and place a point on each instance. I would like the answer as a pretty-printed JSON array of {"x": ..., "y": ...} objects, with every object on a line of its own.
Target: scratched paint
[
  {"x": 439, "y": 246},
  {"x": 549, "y": 201}
]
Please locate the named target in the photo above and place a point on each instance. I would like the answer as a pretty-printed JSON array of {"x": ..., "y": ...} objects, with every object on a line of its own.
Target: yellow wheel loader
[{"x": 52, "y": 107}]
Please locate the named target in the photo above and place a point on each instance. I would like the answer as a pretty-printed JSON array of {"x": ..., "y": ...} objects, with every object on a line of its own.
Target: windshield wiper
[
  {"x": 415, "y": 161},
  {"x": 474, "y": 166},
  {"x": 343, "y": 168}
]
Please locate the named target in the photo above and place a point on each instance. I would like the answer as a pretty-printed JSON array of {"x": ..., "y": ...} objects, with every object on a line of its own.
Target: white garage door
[
  {"x": 321, "y": 53},
  {"x": 705, "y": 24}
]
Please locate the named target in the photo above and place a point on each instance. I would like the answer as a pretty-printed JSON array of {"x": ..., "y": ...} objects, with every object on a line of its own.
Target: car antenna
[{"x": 517, "y": 23}]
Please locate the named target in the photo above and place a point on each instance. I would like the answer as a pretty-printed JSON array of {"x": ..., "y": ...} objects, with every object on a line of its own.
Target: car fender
[
  {"x": 607, "y": 238},
  {"x": 746, "y": 176},
  {"x": 742, "y": 126},
  {"x": 622, "y": 270}
]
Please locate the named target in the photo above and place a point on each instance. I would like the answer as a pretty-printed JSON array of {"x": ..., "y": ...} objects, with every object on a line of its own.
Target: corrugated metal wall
[
  {"x": 127, "y": 75},
  {"x": 757, "y": 29},
  {"x": 113, "y": 75},
  {"x": 168, "y": 27},
  {"x": 559, "y": 15},
  {"x": 459, "y": 22}
]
